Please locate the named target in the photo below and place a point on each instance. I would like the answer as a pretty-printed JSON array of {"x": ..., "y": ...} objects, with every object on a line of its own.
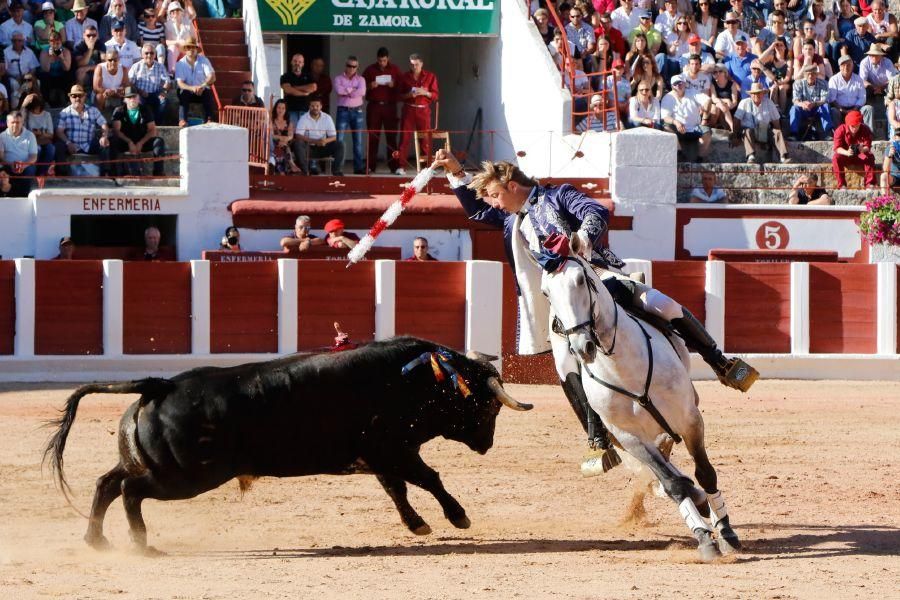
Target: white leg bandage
[
  {"x": 717, "y": 506},
  {"x": 691, "y": 515}
]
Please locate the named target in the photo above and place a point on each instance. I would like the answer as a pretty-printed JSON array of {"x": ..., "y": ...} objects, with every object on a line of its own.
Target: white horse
[{"x": 624, "y": 364}]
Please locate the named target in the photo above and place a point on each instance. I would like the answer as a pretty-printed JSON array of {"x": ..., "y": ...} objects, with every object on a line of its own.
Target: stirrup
[
  {"x": 599, "y": 461},
  {"x": 737, "y": 374}
]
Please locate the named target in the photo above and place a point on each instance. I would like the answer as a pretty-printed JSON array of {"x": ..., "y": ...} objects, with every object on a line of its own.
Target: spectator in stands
[
  {"x": 893, "y": 108},
  {"x": 55, "y": 71},
  {"x": 756, "y": 76},
  {"x": 875, "y": 72},
  {"x": 883, "y": 26},
  {"x": 420, "y": 250},
  {"x": 810, "y": 103},
  {"x": 46, "y": 25},
  {"x": 77, "y": 130},
  {"x": 751, "y": 19},
  {"x": 725, "y": 97},
  {"x": 5, "y": 185},
  {"x": 651, "y": 35},
  {"x": 66, "y": 249},
  {"x": 87, "y": 56},
  {"x": 706, "y": 24},
  {"x": 39, "y": 121},
  {"x": 682, "y": 115},
  {"x": 216, "y": 9},
  {"x": 727, "y": 41},
  {"x": 20, "y": 61},
  {"x": 194, "y": 75},
  {"x": 791, "y": 21},
  {"x": 639, "y": 49},
  {"x": 297, "y": 86},
  {"x": 806, "y": 190},
  {"x": 598, "y": 119},
  {"x": 231, "y": 241},
  {"x": 576, "y": 80},
  {"x": 695, "y": 45},
  {"x": 776, "y": 30},
  {"x": 890, "y": 176},
  {"x": 134, "y": 132},
  {"x": 644, "y": 109},
  {"x": 808, "y": 56},
  {"x": 853, "y": 147},
  {"x": 739, "y": 64},
  {"x": 761, "y": 125},
  {"x": 847, "y": 92},
  {"x": 808, "y": 34},
  {"x": 418, "y": 91},
  {"x": 129, "y": 53},
  {"x": 677, "y": 44},
  {"x": 603, "y": 29},
  {"x": 555, "y": 48},
  {"x": 77, "y": 24},
  {"x": 697, "y": 84},
  {"x": 622, "y": 84},
  {"x": 110, "y": 81},
  {"x": 665, "y": 19},
  {"x": 16, "y": 24},
  {"x": 152, "y": 32},
  {"x": 541, "y": 18},
  {"x": 282, "y": 140},
  {"x": 152, "y": 239},
  {"x": 116, "y": 14},
  {"x": 18, "y": 148},
  {"x": 179, "y": 29},
  {"x": 323, "y": 82},
  {"x": 151, "y": 81},
  {"x": 302, "y": 239},
  {"x": 582, "y": 35},
  {"x": 857, "y": 42},
  {"x": 338, "y": 238},
  {"x": 625, "y": 18},
  {"x": 315, "y": 138},
  {"x": 382, "y": 78},
  {"x": 350, "y": 88},
  {"x": 644, "y": 71},
  {"x": 778, "y": 70},
  {"x": 248, "y": 96},
  {"x": 708, "y": 192}
]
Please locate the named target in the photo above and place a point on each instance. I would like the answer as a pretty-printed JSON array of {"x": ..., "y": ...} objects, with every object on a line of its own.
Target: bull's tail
[{"x": 53, "y": 453}]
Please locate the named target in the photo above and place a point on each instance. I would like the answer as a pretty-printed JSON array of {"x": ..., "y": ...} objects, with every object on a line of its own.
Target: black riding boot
[
  {"x": 598, "y": 436},
  {"x": 732, "y": 372}
]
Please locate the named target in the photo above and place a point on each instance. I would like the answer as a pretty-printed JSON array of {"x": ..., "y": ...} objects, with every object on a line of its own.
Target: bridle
[{"x": 590, "y": 323}]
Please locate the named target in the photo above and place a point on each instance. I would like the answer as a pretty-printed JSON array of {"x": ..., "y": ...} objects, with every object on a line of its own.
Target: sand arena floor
[{"x": 810, "y": 471}]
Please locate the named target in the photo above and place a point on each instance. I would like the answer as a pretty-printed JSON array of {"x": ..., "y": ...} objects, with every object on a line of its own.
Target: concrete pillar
[
  {"x": 887, "y": 308},
  {"x": 385, "y": 299},
  {"x": 799, "y": 308},
  {"x": 200, "y": 307},
  {"x": 484, "y": 306},
  {"x": 25, "y": 299},
  {"x": 715, "y": 300},
  {"x": 113, "y": 307},
  {"x": 287, "y": 305},
  {"x": 637, "y": 265}
]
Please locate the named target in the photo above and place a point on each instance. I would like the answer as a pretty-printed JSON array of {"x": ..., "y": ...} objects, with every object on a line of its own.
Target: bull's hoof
[
  {"x": 97, "y": 542},
  {"x": 707, "y": 547},
  {"x": 150, "y": 552},
  {"x": 462, "y": 522},
  {"x": 423, "y": 529}
]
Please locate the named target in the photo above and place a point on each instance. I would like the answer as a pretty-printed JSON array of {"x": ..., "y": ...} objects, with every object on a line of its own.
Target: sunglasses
[
  {"x": 351, "y": 66},
  {"x": 643, "y": 90},
  {"x": 74, "y": 96},
  {"x": 91, "y": 35},
  {"x": 247, "y": 90}
]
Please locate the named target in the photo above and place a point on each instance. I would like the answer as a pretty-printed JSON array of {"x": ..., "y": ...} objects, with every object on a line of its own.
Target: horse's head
[{"x": 571, "y": 291}]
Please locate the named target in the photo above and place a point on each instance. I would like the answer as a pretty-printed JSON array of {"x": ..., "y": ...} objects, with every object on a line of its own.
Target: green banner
[{"x": 383, "y": 17}]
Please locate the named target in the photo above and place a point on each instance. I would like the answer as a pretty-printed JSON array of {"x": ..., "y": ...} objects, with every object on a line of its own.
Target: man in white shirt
[
  {"x": 76, "y": 25},
  {"x": 18, "y": 148},
  {"x": 16, "y": 24},
  {"x": 315, "y": 137},
  {"x": 875, "y": 72},
  {"x": 665, "y": 22},
  {"x": 682, "y": 116},
  {"x": 625, "y": 18},
  {"x": 20, "y": 61},
  {"x": 760, "y": 120},
  {"x": 129, "y": 53},
  {"x": 846, "y": 92},
  {"x": 726, "y": 42}
]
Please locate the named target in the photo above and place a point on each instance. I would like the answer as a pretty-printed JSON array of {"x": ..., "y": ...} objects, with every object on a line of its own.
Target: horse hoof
[
  {"x": 729, "y": 542},
  {"x": 708, "y": 551},
  {"x": 98, "y": 542},
  {"x": 423, "y": 529},
  {"x": 462, "y": 522},
  {"x": 150, "y": 552}
]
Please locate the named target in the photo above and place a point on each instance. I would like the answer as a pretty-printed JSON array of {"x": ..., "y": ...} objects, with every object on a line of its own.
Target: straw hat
[{"x": 757, "y": 88}]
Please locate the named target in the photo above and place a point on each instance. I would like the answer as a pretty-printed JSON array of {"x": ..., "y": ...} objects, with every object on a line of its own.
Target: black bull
[{"x": 342, "y": 413}]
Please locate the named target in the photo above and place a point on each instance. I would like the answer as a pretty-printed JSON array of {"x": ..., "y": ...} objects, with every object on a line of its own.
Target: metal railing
[{"x": 256, "y": 121}]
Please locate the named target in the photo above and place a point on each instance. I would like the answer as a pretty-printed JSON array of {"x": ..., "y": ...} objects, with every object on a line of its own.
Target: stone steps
[{"x": 722, "y": 151}]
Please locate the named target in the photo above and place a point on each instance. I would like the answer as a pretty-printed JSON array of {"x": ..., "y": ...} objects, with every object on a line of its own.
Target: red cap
[
  {"x": 694, "y": 39},
  {"x": 618, "y": 63},
  {"x": 854, "y": 117},
  {"x": 333, "y": 225}
]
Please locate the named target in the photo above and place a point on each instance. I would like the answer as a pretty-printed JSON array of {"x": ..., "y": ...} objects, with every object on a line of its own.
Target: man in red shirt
[
  {"x": 418, "y": 89},
  {"x": 853, "y": 147},
  {"x": 382, "y": 83},
  {"x": 420, "y": 250}
]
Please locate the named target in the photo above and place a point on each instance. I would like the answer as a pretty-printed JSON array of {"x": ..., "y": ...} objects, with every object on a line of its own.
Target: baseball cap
[
  {"x": 644, "y": 14},
  {"x": 845, "y": 58},
  {"x": 695, "y": 39},
  {"x": 333, "y": 225},
  {"x": 618, "y": 63},
  {"x": 861, "y": 21},
  {"x": 854, "y": 117},
  {"x": 65, "y": 241},
  {"x": 129, "y": 92},
  {"x": 47, "y": 6},
  {"x": 676, "y": 79},
  {"x": 118, "y": 24},
  {"x": 597, "y": 99},
  {"x": 741, "y": 39}
]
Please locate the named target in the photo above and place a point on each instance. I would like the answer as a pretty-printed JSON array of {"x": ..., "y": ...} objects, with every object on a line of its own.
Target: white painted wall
[{"x": 17, "y": 228}]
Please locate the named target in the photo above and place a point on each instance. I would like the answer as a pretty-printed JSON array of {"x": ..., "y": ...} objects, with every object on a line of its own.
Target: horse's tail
[{"x": 53, "y": 453}]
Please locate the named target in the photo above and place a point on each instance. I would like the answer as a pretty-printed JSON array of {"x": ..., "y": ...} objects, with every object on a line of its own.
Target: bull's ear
[{"x": 476, "y": 355}]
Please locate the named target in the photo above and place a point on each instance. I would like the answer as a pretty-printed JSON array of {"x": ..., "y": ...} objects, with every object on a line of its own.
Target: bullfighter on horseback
[{"x": 544, "y": 219}]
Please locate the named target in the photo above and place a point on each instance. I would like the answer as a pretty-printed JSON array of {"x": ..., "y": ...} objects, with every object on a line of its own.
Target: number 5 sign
[{"x": 772, "y": 235}]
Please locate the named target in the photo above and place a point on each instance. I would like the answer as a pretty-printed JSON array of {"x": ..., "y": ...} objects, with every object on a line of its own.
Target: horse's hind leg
[
  {"x": 706, "y": 477},
  {"x": 108, "y": 489},
  {"x": 678, "y": 487}
]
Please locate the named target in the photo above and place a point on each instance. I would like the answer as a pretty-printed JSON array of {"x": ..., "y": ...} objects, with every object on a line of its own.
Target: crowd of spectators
[{"x": 762, "y": 70}]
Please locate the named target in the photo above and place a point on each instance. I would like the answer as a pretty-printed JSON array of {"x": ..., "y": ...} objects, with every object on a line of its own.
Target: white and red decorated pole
[{"x": 390, "y": 215}]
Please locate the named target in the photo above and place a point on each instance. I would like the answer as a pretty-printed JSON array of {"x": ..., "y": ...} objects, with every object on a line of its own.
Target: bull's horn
[
  {"x": 504, "y": 397},
  {"x": 476, "y": 355}
]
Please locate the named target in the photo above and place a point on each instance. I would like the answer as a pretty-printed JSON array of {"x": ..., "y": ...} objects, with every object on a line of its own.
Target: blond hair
[{"x": 502, "y": 172}]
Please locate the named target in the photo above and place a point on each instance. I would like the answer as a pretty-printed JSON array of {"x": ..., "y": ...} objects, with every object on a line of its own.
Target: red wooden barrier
[
  {"x": 329, "y": 292},
  {"x": 683, "y": 281},
  {"x": 68, "y": 307},
  {"x": 842, "y": 308},
  {"x": 431, "y": 301},
  {"x": 314, "y": 253},
  {"x": 243, "y": 307},
  {"x": 772, "y": 256},
  {"x": 758, "y": 307},
  {"x": 7, "y": 306},
  {"x": 157, "y": 308}
]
